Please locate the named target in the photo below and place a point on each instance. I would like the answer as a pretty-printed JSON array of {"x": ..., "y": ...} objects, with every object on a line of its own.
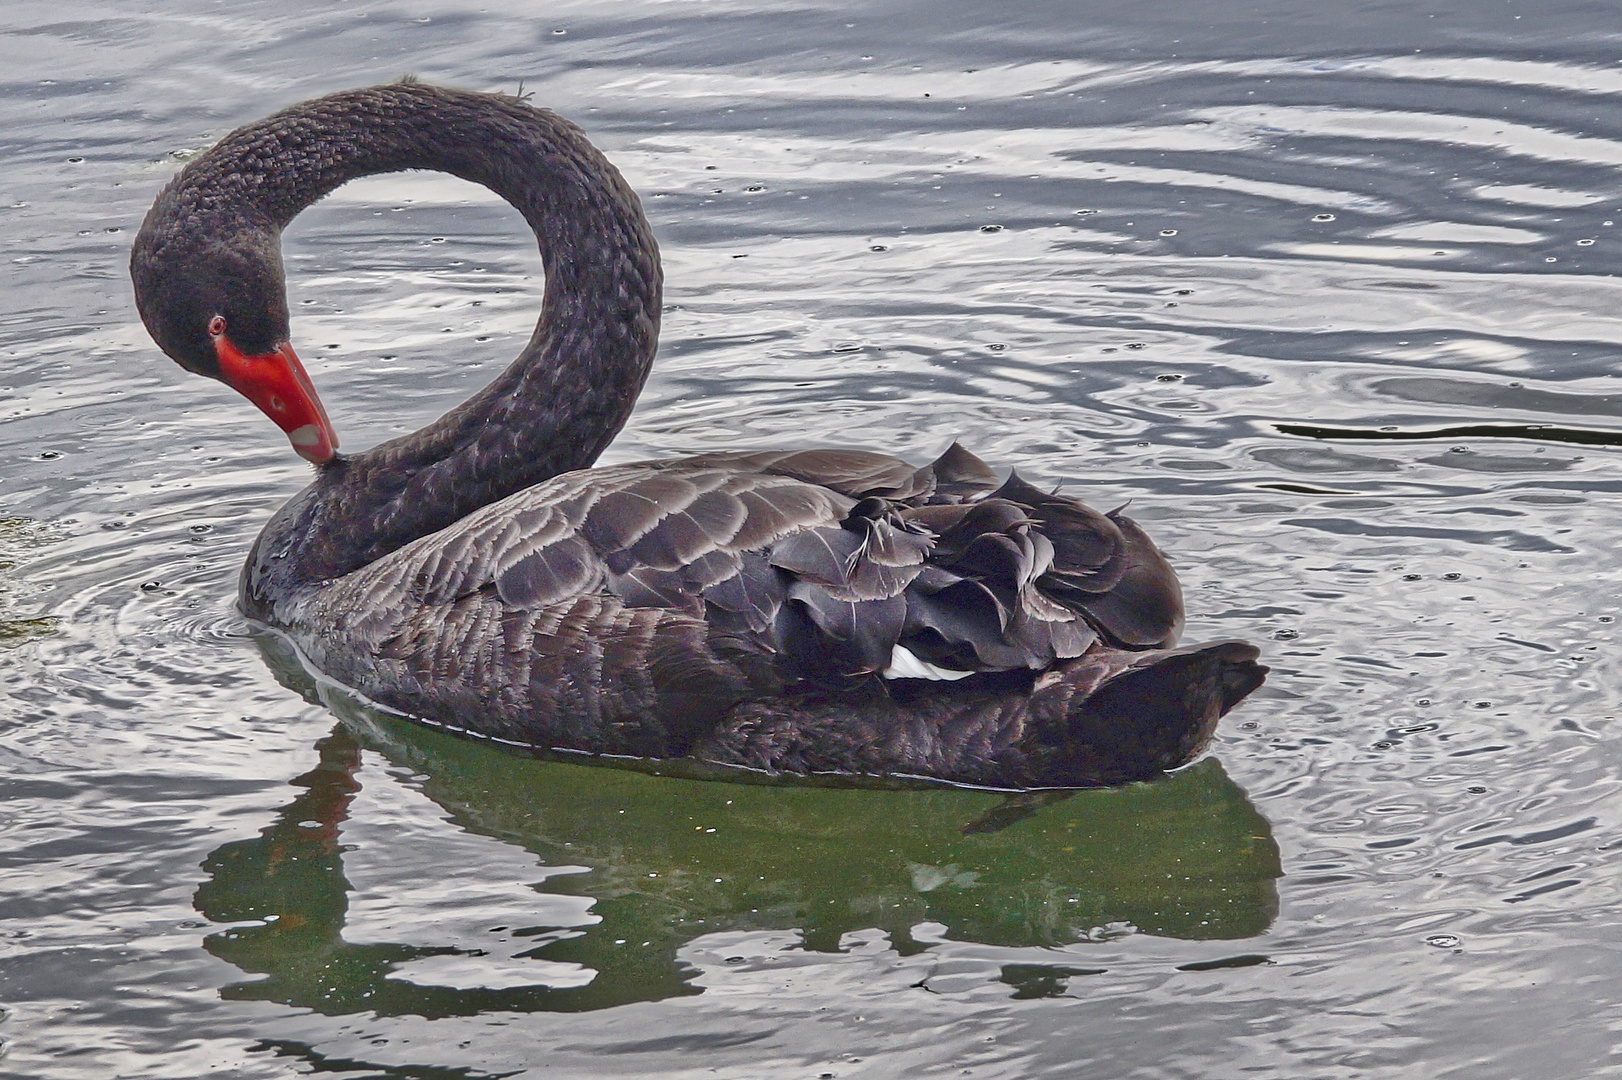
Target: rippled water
[{"x": 1328, "y": 295}]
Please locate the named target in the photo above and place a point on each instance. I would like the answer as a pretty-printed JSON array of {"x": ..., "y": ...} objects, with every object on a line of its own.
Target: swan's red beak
[{"x": 279, "y": 385}]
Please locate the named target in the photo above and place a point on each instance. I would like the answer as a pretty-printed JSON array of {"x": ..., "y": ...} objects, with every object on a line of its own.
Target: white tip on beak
[
  {"x": 308, "y": 435},
  {"x": 310, "y": 442}
]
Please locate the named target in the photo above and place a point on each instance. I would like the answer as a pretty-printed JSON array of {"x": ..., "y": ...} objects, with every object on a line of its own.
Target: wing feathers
[
  {"x": 824, "y": 559},
  {"x": 960, "y": 473},
  {"x": 551, "y": 575}
]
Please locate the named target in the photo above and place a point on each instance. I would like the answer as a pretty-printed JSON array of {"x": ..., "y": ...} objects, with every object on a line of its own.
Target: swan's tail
[{"x": 1112, "y": 717}]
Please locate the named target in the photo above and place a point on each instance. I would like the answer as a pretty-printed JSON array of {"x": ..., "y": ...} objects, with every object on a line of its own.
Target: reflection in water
[
  {"x": 667, "y": 860},
  {"x": 1552, "y": 433},
  {"x": 18, "y": 536}
]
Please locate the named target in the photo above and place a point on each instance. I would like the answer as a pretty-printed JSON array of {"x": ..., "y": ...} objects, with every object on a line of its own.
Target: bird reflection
[{"x": 670, "y": 860}]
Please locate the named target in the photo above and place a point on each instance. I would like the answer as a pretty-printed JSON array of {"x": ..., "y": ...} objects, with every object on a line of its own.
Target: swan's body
[{"x": 810, "y": 611}]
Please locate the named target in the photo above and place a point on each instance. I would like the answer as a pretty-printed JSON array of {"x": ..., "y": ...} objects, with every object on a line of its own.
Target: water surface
[{"x": 1328, "y": 296}]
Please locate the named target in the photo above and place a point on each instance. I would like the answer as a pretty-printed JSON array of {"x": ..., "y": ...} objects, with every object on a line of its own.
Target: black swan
[{"x": 804, "y": 612}]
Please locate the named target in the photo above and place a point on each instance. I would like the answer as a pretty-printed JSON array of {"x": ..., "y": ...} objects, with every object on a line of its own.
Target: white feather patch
[{"x": 904, "y": 665}]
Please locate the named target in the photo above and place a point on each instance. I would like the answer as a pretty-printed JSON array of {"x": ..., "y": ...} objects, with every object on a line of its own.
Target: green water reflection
[
  {"x": 668, "y": 860},
  {"x": 18, "y": 538}
]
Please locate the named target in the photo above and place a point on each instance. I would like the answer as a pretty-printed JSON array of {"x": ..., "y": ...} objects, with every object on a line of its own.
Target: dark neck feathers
[{"x": 555, "y": 408}]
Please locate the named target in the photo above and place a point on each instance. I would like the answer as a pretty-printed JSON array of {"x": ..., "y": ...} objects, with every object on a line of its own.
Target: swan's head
[{"x": 217, "y": 306}]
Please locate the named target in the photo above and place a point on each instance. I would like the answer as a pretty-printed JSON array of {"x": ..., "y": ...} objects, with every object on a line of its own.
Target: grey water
[{"x": 1327, "y": 293}]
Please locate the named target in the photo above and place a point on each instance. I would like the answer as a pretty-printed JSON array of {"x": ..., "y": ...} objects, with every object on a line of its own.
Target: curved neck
[{"x": 559, "y": 404}]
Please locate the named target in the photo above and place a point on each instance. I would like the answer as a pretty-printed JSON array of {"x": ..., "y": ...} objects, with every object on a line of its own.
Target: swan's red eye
[{"x": 216, "y": 326}]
